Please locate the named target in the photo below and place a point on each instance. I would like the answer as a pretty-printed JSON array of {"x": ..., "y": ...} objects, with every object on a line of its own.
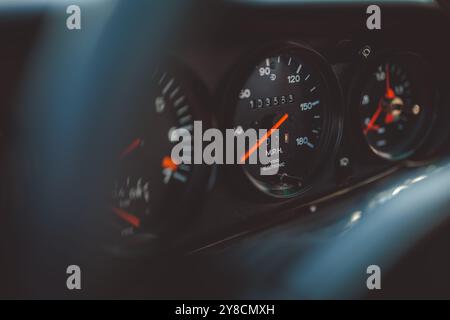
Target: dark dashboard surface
[{"x": 374, "y": 181}]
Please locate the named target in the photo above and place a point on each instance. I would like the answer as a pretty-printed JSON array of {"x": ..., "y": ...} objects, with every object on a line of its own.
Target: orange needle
[
  {"x": 136, "y": 143},
  {"x": 167, "y": 163},
  {"x": 390, "y": 94},
  {"x": 264, "y": 138},
  {"x": 371, "y": 125},
  {"x": 128, "y": 217}
]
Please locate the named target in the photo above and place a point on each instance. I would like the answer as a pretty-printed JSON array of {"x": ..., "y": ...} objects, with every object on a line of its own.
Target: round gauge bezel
[
  {"x": 333, "y": 112},
  {"x": 419, "y": 69}
]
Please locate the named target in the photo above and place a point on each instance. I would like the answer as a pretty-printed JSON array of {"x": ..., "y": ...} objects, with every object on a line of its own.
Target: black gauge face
[
  {"x": 393, "y": 113},
  {"x": 149, "y": 185},
  {"x": 288, "y": 92}
]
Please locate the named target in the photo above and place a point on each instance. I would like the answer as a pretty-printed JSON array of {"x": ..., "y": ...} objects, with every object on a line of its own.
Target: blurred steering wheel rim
[{"x": 75, "y": 90}]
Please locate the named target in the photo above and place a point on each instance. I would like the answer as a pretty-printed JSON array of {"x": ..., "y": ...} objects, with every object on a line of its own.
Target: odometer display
[{"x": 287, "y": 90}]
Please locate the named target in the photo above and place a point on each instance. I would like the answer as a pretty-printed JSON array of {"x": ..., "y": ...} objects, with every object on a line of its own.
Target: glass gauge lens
[
  {"x": 149, "y": 185},
  {"x": 288, "y": 92},
  {"x": 392, "y": 109}
]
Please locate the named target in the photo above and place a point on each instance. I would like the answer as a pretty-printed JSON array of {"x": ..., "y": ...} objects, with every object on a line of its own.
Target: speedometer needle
[{"x": 264, "y": 138}]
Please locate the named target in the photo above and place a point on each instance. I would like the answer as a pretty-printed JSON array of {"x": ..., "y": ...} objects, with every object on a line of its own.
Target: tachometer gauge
[
  {"x": 289, "y": 90},
  {"x": 150, "y": 194},
  {"x": 395, "y": 106}
]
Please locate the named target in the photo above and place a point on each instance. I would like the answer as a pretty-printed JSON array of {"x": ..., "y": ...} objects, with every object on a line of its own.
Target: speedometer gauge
[
  {"x": 289, "y": 90},
  {"x": 395, "y": 106}
]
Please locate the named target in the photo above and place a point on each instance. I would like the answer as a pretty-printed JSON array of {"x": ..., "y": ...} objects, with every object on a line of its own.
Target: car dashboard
[{"x": 361, "y": 116}]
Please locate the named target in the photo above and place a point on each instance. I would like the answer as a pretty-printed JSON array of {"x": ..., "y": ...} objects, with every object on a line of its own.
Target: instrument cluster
[{"x": 334, "y": 130}]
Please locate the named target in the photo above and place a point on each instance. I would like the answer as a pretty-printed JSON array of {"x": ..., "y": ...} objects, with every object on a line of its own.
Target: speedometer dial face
[
  {"x": 287, "y": 91},
  {"x": 394, "y": 114}
]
